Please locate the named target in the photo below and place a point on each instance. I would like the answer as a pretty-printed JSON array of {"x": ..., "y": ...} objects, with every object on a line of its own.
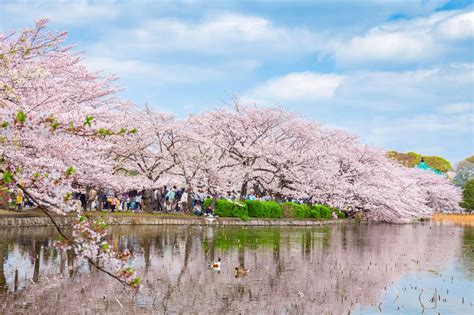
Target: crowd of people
[{"x": 166, "y": 199}]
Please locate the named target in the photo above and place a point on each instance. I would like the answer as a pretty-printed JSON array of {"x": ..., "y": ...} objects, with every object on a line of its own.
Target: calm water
[{"x": 364, "y": 269}]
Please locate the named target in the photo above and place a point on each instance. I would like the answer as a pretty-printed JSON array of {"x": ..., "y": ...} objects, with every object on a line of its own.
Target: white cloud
[
  {"x": 430, "y": 123},
  {"x": 457, "y": 108},
  {"x": 419, "y": 40},
  {"x": 380, "y": 91},
  {"x": 61, "y": 12},
  {"x": 407, "y": 90},
  {"x": 380, "y": 46},
  {"x": 217, "y": 34},
  {"x": 299, "y": 86},
  {"x": 457, "y": 27}
]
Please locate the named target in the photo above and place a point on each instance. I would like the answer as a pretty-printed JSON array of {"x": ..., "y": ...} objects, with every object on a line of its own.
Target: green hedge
[
  {"x": 321, "y": 211},
  {"x": 468, "y": 196},
  {"x": 263, "y": 209},
  {"x": 295, "y": 210},
  {"x": 207, "y": 203},
  {"x": 340, "y": 214},
  {"x": 225, "y": 208},
  {"x": 271, "y": 209}
]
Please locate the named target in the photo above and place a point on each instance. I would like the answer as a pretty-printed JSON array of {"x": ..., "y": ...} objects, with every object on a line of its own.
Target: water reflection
[{"x": 328, "y": 270}]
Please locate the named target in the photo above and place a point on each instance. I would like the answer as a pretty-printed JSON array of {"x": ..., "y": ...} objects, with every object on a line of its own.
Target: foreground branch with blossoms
[{"x": 88, "y": 242}]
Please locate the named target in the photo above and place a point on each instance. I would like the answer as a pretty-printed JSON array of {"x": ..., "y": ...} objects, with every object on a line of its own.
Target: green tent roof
[{"x": 422, "y": 165}]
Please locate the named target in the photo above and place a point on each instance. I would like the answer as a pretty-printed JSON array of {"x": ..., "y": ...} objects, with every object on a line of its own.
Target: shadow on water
[{"x": 328, "y": 270}]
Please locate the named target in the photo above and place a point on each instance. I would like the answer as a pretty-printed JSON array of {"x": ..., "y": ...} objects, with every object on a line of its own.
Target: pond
[{"x": 341, "y": 269}]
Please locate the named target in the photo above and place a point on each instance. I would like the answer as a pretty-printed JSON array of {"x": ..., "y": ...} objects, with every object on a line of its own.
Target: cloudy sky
[{"x": 398, "y": 73}]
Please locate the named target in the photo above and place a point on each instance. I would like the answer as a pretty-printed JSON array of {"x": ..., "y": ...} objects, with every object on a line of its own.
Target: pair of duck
[{"x": 238, "y": 271}]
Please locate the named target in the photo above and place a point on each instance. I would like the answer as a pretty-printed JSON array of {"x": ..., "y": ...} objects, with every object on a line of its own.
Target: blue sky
[{"x": 400, "y": 74}]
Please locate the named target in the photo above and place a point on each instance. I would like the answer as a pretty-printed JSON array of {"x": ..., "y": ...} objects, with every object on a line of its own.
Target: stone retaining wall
[{"x": 140, "y": 220}]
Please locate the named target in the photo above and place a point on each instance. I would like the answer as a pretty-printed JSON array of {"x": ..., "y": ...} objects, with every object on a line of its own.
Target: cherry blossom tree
[
  {"x": 166, "y": 151},
  {"x": 148, "y": 152},
  {"x": 275, "y": 151},
  {"x": 255, "y": 146}
]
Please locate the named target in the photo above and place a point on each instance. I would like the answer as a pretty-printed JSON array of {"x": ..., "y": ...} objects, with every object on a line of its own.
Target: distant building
[{"x": 422, "y": 165}]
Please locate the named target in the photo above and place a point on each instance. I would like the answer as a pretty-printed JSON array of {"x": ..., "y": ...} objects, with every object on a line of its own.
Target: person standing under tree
[
  {"x": 183, "y": 202},
  {"x": 170, "y": 198},
  {"x": 19, "y": 199},
  {"x": 177, "y": 197},
  {"x": 139, "y": 200}
]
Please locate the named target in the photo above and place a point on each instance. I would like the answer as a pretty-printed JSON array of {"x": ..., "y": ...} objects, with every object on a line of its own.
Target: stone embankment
[{"x": 12, "y": 221}]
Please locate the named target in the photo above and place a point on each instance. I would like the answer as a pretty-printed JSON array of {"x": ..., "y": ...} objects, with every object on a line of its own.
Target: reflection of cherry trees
[{"x": 292, "y": 270}]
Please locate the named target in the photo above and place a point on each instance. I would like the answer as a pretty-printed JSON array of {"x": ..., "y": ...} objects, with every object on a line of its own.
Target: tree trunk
[
  {"x": 243, "y": 190},
  {"x": 214, "y": 203},
  {"x": 101, "y": 206},
  {"x": 189, "y": 201},
  {"x": 147, "y": 200},
  {"x": 88, "y": 201}
]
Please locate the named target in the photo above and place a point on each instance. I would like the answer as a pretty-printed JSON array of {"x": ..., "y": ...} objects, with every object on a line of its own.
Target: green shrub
[
  {"x": 321, "y": 212},
  {"x": 296, "y": 210},
  {"x": 225, "y": 208},
  {"x": 287, "y": 210},
  {"x": 315, "y": 212},
  {"x": 263, "y": 209},
  {"x": 468, "y": 196},
  {"x": 207, "y": 203}
]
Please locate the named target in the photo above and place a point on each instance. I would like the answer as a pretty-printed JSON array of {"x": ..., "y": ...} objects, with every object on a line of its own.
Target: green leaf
[
  {"x": 4, "y": 124},
  {"x": 68, "y": 196},
  {"x": 135, "y": 282},
  {"x": 55, "y": 125},
  {"x": 7, "y": 177},
  {"x": 104, "y": 132},
  {"x": 88, "y": 120},
  {"x": 70, "y": 170},
  {"x": 21, "y": 116},
  {"x": 134, "y": 130}
]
